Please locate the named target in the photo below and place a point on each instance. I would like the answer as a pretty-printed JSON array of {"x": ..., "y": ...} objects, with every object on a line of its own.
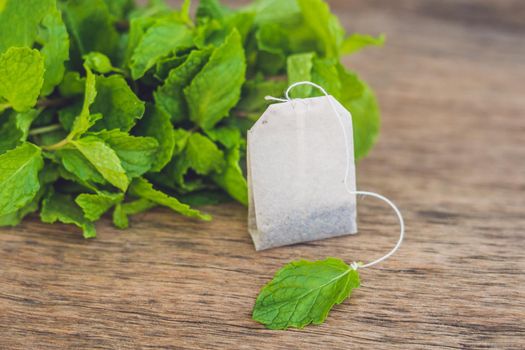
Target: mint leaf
[
  {"x": 104, "y": 159},
  {"x": 136, "y": 153},
  {"x": 90, "y": 26},
  {"x": 79, "y": 168},
  {"x": 364, "y": 108},
  {"x": 217, "y": 87},
  {"x": 14, "y": 128},
  {"x": 158, "y": 41},
  {"x": 357, "y": 42},
  {"x": 85, "y": 120},
  {"x": 324, "y": 26},
  {"x": 198, "y": 153},
  {"x": 117, "y": 103},
  {"x": 19, "y": 183},
  {"x": 123, "y": 210},
  {"x": 24, "y": 16},
  {"x": 170, "y": 96},
  {"x": 143, "y": 189},
  {"x": 55, "y": 48},
  {"x": 299, "y": 68},
  {"x": 61, "y": 207},
  {"x": 231, "y": 178},
  {"x": 156, "y": 123},
  {"x": 303, "y": 292},
  {"x": 21, "y": 77},
  {"x": 94, "y": 205}
]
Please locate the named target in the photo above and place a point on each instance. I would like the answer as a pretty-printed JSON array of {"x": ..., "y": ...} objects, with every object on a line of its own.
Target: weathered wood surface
[{"x": 451, "y": 154}]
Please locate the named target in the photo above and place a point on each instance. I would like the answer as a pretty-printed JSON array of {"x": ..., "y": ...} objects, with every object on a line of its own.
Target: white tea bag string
[{"x": 354, "y": 264}]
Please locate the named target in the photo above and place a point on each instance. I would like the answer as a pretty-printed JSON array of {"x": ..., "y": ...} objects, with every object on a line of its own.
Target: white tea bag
[{"x": 297, "y": 162}]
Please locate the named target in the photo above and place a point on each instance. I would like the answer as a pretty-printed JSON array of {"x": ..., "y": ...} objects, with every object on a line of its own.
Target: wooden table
[{"x": 451, "y": 83}]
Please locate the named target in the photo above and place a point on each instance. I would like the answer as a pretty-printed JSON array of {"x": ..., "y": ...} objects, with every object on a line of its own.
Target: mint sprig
[{"x": 303, "y": 292}]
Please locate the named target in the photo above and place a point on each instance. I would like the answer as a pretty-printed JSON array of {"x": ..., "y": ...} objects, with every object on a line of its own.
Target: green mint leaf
[
  {"x": 217, "y": 87},
  {"x": 79, "y": 168},
  {"x": 14, "y": 128},
  {"x": 170, "y": 96},
  {"x": 303, "y": 292},
  {"x": 228, "y": 136},
  {"x": 90, "y": 26},
  {"x": 95, "y": 205},
  {"x": 324, "y": 26},
  {"x": 363, "y": 105},
  {"x": 54, "y": 39},
  {"x": 61, "y": 207},
  {"x": 143, "y": 189},
  {"x": 104, "y": 159},
  {"x": 156, "y": 123},
  {"x": 21, "y": 77},
  {"x": 193, "y": 151},
  {"x": 231, "y": 178},
  {"x": 357, "y": 42},
  {"x": 46, "y": 176},
  {"x": 19, "y": 182},
  {"x": 203, "y": 155},
  {"x": 299, "y": 68},
  {"x": 123, "y": 210},
  {"x": 85, "y": 120},
  {"x": 117, "y": 103},
  {"x": 255, "y": 90},
  {"x": 159, "y": 40},
  {"x": 136, "y": 153},
  {"x": 21, "y": 19}
]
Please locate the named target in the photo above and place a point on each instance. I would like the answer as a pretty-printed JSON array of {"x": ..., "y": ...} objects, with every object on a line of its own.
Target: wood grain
[{"x": 450, "y": 82}]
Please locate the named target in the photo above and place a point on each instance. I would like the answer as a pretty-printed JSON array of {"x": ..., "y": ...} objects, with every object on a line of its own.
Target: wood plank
[{"x": 452, "y": 156}]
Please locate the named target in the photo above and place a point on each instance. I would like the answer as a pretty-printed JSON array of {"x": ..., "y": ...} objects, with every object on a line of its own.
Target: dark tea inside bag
[{"x": 297, "y": 161}]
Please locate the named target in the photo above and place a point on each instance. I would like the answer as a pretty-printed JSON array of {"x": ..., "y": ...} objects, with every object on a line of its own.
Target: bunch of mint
[{"x": 110, "y": 107}]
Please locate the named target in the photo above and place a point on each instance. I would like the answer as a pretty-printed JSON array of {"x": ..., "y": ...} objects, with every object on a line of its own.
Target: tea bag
[{"x": 297, "y": 165}]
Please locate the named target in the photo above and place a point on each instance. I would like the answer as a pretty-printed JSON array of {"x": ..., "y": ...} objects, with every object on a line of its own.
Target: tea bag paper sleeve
[{"x": 296, "y": 168}]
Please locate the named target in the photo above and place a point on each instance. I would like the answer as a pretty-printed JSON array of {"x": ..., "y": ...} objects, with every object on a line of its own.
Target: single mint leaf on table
[
  {"x": 217, "y": 87},
  {"x": 21, "y": 77},
  {"x": 303, "y": 292},
  {"x": 19, "y": 182},
  {"x": 62, "y": 208}
]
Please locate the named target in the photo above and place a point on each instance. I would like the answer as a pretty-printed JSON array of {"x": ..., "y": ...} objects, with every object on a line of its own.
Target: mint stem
[{"x": 45, "y": 129}]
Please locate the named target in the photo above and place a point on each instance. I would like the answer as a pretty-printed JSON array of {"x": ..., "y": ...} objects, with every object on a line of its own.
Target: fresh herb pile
[{"x": 110, "y": 107}]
